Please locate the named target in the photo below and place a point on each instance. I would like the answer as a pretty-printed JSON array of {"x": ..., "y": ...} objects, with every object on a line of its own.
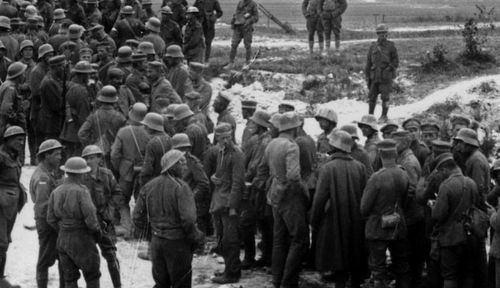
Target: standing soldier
[
  {"x": 153, "y": 35},
  {"x": 389, "y": 127},
  {"x": 380, "y": 70},
  {"x": 127, "y": 27},
  {"x": 178, "y": 8},
  {"x": 221, "y": 104},
  {"x": 101, "y": 127},
  {"x": 193, "y": 100},
  {"x": 160, "y": 86},
  {"x": 177, "y": 73},
  {"x": 170, "y": 31},
  {"x": 185, "y": 123},
  {"x": 11, "y": 102},
  {"x": 229, "y": 182},
  {"x": 43, "y": 181},
  {"x": 13, "y": 195},
  {"x": 159, "y": 144},
  {"x": 107, "y": 198},
  {"x": 110, "y": 13},
  {"x": 167, "y": 205},
  {"x": 327, "y": 119},
  {"x": 51, "y": 116},
  {"x": 194, "y": 40},
  {"x": 59, "y": 16},
  {"x": 147, "y": 11},
  {"x": 242, "y": 22},
  {"x": 105, "y": 55},
  {"x": 94, "y": 16},
  {"x": 248, "y": 108},
  {"x": 99, "y": 36},
  {"x": 458, "y": 122},
  {"x": 72, "y": 213},
  {"x": 125, "y": 97},
  {"x": 386, "y": 193},
  {"x": 201, "y": 85},
  {"x": 430, "y": 131},
  {"x": 4, "y": 62},
  {"x": 357, "y": 152},
  {"x": 10, "y": 42},
  {"x": 419, "y": 148},
  {"x": 211, "y": 11},
  {"x": 75, "y": 12},
  {"x": 77, "y": 107},
  {"x": 137, "y": 77},
  {"x": 331, "y": 14},
  {"x": 311, "y": 9},
  {"x": 368, "y": 126},
  {"x": 46, "y": 10},
  {"x": 127, "y": 152}
]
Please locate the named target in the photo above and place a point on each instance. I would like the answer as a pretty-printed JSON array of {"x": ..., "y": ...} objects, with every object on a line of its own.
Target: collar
[
  {"x": 341, "y": 155},
  {"x": 457, "y": 172},
  {"x": 286, "y": 136}
]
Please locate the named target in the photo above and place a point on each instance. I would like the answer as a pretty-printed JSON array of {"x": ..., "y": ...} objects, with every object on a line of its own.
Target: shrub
[{"x": 476, "y": 37}]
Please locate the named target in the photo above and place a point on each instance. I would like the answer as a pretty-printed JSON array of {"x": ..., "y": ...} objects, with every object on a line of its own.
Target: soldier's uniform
[
  {"x": 11, "y": 44},
  {"x": 75, "y": 13},
  {"x": 178, "y": 76},
  {"x": 125, "y": 100},
  {"x": 72, "y": 213},
  {"x": 162, "y": 88},
  {"x": 194, "y": 41},
  {"x": 226, "y": 117},
  {"x": 46, "y": 10},
  {"x": 331, "y": 15},
  {"x": 211, "y": 11},
  {"x": 51, "y": 116},
  {"x": 178, "y": 11},
  {"x": 242, "y": 22},
  {"x": 127, "y": 28},
  {"x": 312, "y": 12},
  {"x": 170, "y": 32},
  {"x": 380, "y": 70},
  {"x": 11, "y": 107},
  {"x": 36, "y": 77},
  {"x": 159, "y": 144},
  {"x": 133, "y": 82}
]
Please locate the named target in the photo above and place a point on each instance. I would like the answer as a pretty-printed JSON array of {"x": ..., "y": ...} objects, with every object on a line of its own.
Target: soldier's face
[
  {"x": 180, "y": 167},
  {"x": 59, "y": 70},
  {"x": 152, "y": 73},
  {"x": 429, "y": 135},
  {"x": 414, "y": 133},
  {"x": 16, "y": 143},
  {"x": 225, "y": 140},
  {"x": 367, "y": 131},
  {"x": 54, "y": 158},
  {"x": 382, "y": 36},
  {"x": 387, "y": 134},
  {"x": 93, "y": 161},
  {"x": 27, "y": 53},
  {"x": 86, "y": 57},
  {"x": 324, "y": 124},
  {"x": 103, "y": 52},
  {"x": 116, "y": 81}
]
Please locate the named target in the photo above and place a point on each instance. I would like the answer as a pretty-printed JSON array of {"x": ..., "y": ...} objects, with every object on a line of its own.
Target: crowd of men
[{"x": 105, "y": 89}]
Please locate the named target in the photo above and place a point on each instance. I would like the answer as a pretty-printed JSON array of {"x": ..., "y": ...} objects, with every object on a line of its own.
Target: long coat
[{"x": 335, "y": 215}]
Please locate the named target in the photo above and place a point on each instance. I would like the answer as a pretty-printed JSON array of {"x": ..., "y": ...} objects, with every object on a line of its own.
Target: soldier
[
  {"x": 148, "y": 49},
  {"x": 137, "y": 76},
  {"x": 414, "y": 213},
  {"x": 75, "y": 12},
  {"x": 43, "y": 181},
  {"x": 160, "y": 87},
  {"x": 46, "y": 10},
  {"x": 368, "y": 126},
  {"x": 193, "y": 100},
  {"x": 170, "y": 31},
  {"x": 185, "y": 123},
  {"x": 178, "y": 8},
  {"x": 312, "y": 12},
  {"x": 388, "y": 128},
  {"x": 11, "y": 102},
  {"x": 94, "y": 16},
  {"x": 248, "y": 108},
  {"x": 110, "y": 13},
  {"x": 201, "y": 85},
  {"x": 331, "y": 15},
  {"x": 74, "y": 35},
  {"x": 153, "y": 36},
  {"x": 107, "y": 198},
  {"x": 136, "y": 6},
  {"x": 327, "y": 119},
  {"x": 128, "y": 150},
  {"x": 59, "y": 17},
  {"x": 419, "y": 148},
  {"x": 177, "y": 73},
  {"x": 10, "y": 42},
  {"x": 4, "y": 62},
  {"x": 159, "y": 144},
  {"x": 127, "y": 27},
  {"x": 8, "y": 10},
  {"x": 376, "y": 202},
  {"x": 72, "y": 213},
  {"x": 123, "y": 61},
  {"x": 229, "y": 181},
  {"x": 13, "y": 194},
  {"x": 132, "y": 43},
  {"x": 167, "y": 204},
  {"x": 194, "y": 40},
  {"x": 430, "y": 131},
  {"x": 147, "y": 11},
  {"x": 458, "y": 122},
  {"x": 125, "y": 96},
  {"x": 106, "y": 61},
  {"x": 102, "y": 125},
  {"x": 221, "y": 104},
  {"x": 99, "y": 36},
  {"x": 380, "y": 70},
  {"x": 357, "y": 152},
  {"x": 211, "y": 11},
  {"x": 242, "y": 22}
]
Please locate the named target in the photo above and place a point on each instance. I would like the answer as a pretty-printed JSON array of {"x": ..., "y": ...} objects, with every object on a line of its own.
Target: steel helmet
[
  {"x": 468, "y": 136},
  {"x": 370, "y": 121},
  {"x": 13, "y": 131},
  {"x": 170, "y": 158},
  {"x": 107, "y": 94},
  {"x": 192, "y": 9},
  {"x": 153, "y": 24},
  {"x": 180, "y": 140},
  {"x": 154, "y": 121},
  {"x": 166, "y": 10},
  {"x": 76, "y": 165},
  {"x": 326, "y": 113},
  {"x": 351, "y": 129},
  {"x": 261, "y": 118},
  {"x": 174, "y": 51},
  {"x": 48, "y": 145},
  {"x": 127, "y": 10},
  {"x": 137, "y": 112},
  {"x": 91, "y": 150},
  {"x": 15, "y": 70},
  {"x": 289, "y": 120},
  {"x": 381, "y": 28},
  {"x": 340, "y": 140},
  {"x": 182, "y": 111},
  {"x": 25, "y": 44},
  {"x": 44, "y": 50}
]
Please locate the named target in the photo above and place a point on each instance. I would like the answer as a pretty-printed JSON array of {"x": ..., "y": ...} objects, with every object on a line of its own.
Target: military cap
[
  {"x": 86, "y": 51},
  {"x": 127, "y": 10},
  {"x": 180, "y": 140},
  {"x": 192, "y": 9},
  {"x": 351, "y": 129},
  {"x": 139, "y": 56},
  {"x": 430, "y": 124},
  {"x": 440, "y": 146},
  {"x": 12, "y": 131},
  {"x": 261, "y": 118},
  {"x": 389, "y": 125},
  {"x": 182, "y": 111},
  {"x": 460, "y": 119},
  {"x": 193, "y": 95},
  {"x": 67, "y": 45},
  {"x": 132, "y": 43},
  {"x": 327, "y": 114},
  {"x": 340, "y": 140},
  {"x": 138, "y": 112},
  {"x": 75, "y": 31},
  {"x": 285, "y": 107},
  {"x": 4, "y": 22},
  {"x": 124, "y": 55},
  {"x": 115, "y": 73},
  {"x": 57, "y": 60},
  {"x": 400, "y": 134},
  {"x": 368, "y": 121},
  {"x": 83, "y": 67},
  {"x": 289, "y": 120},
  {"x": 25, "y": 44},
  {"x": 387, "y": 145},
  {"x": 15, "y": 22},
  {"x": 468, "y": 136},
  {"x": 155, "y": 64},
  {"x": 154, "y": 121},
  {"x": 442, "y": 158},
  {"x": 92, "y": 150},
  {"x": 411, "y": 122},
  {"x": 96, "y": 28},
  {"x": 153, "y": 24},
  {"x": 76, "y": 165},
  {"x": 174, "y": 51},
  {"x": 225, "y": 96},
  {"x": 223, "y": 129},
  {"x": 381, "y": 28},
  {"x": 147, "y": 48},
  {"x": 198, "y": 67},
  {"x": 249, "y": 104},
  {"x": 15, "y": 70},
  {"x": 275, "y": 120},
  {"x": 170, "y": 159},
  {"x": 166, "y": 10},
  {"x": 39, "y": 19},
  {"x": 48, "y": 145},
  {"x": 59, "y": 14},
  {"x": 44, "y": 50},
  {"x": 107, "y": 94}
]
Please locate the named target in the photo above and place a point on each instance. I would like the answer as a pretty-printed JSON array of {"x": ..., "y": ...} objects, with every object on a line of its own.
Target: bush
[{"x": 476, "y": 37}]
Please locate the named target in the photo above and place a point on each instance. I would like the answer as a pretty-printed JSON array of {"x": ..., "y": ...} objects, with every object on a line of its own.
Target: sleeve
[
  {"x": 85, "y": 132},
  {"x": 369, "y": 196},
  {"x": 139, "y": 215},
  {"x": 260, "y": 179},
  {"x": 116, "y": 151},
  {"x": 200, "y": 178},
  {"x": 293, "y": 164},
  {"x": 52, "y": 219},
  {"x": 187, "y": 210},
  {"x": 195, "y": 39},
  {"x": 320, "y": 197},
  {"x": 440, "y": 209},
  {"x": 394, "y": 57},
  {"x": 88, "y": 211},
  {"x": 147, "y": 170},
  {"x": 238, "y": 180},
  {"x": 41, "y": 191}
]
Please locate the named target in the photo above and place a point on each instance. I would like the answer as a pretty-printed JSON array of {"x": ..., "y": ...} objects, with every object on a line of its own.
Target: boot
[
  {"x": 248, "y": 55},
  {"x": 114, "y": 272},
  {"x": 208, "y": 49},
  {"x": 337, "y": 42},
  {"x": 232, "y": 56},
  {"x": 321, "y": 47},
  {"x": 327, "y": 45},
  {"x": 371, "y": 107},
  {"x": 311, "y": 47},
  {"x": 42, "y": 283}
]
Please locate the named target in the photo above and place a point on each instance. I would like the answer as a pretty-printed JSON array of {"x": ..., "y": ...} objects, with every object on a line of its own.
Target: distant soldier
[
  {"x": 106, "y": 61},
  {"x": 380, "y": 70},
  {"x": 123, "y": 61},
  {"x": 358, "y": 152},
  {"x": 137, "y": 77},
  {"x": 13, "y": 194},
  {"x": 430, "y": 131},
  {"x": 221, "y": 104},
  {"x": 59, "y": 16},
  {"x": 11, "y": 102},
  {"x": 248, "y": 108},
  {"x": 170, "y": 31},
  {"x": 46, "y": 10},
  {"x": 210, "y": 11},
  {"x": 167, "y": 205},
  {"x": 388, "y": 128},
  {"x": 419, "y": 148},
  {"x": 186, "y": 123},
  {"x": 153, "y": 35},
  {"x": 312, "y": 11},
  {"x": 125, "y": 97},
  {"x": 10, "y": 42},
  {"x": 108, "y": 199},
  {"x": 242, "y": 22},
  {"x": 43, "y": 181},
  {"x": 194, "y": 40},
  {"x": 93, "y": 15},
  {"x": 331, "y": 15},
  {"x": 72, "y": 213},
  {"x": 147, "y": 10},
  {"x": 75, "y": 12},
  {"x": 136, "y": 6},
  {"x": 178, "y": 8},
  {"x": 327, "y": 119},
  {"x": 148, "y": 49},
  {"x": 160, "y": 87},
  {"x": 4, "y": 62},
  {"x": 110, "y": 13},
  {"x": 177, "y": 72},
  {"x": 127, "y": 27},
  {"x": 201, "y": 85},
  {"x": 99, "y": 36},
  {"x": 192, "y": 100},
  {"x": 368, "y": 126}
]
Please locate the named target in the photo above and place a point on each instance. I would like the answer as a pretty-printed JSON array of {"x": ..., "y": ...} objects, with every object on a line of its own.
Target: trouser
[
  {"x": 6, "y": 225},
  {"x": 47, "y": 254},
  {"x": 171, "y": 261},
  {"x": 108, "y": 250},
  {"x": 456, "y": 266},
  {"x": 416, "y": 249},
  {"x": 497, "y": 272},
  {"x": 331, "y": 24},
  {"x": 204, "y": 224},
  {"x": 315, "y": 26},
  {"x": 479, "y": 259},
  {"x": 265, "y": 224},
  {"x": 209, "y": 32},
  {"x": 229, "y": 243},
  {"x": 399, "y": 257},
  {"x": 290, "y": 241},
  {"x": 244, "y": 33},
  {"x": 376, "y": 88},
  {"x": 247, "y": 229},
  {"x": 77, "y": 251}
]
